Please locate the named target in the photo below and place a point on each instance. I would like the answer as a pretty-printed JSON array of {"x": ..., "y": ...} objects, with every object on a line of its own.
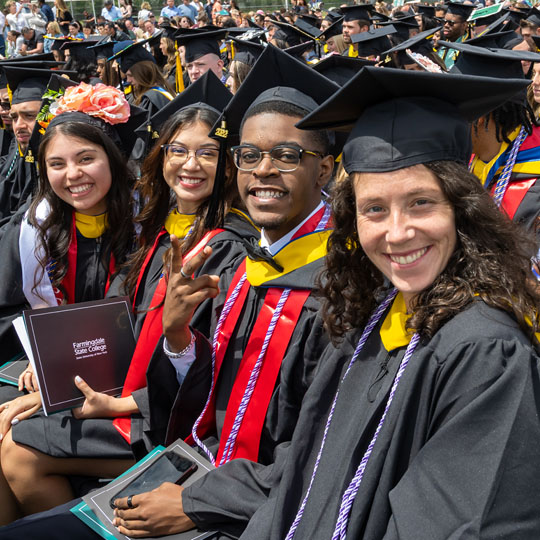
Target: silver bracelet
[{"x": 181, "y": 353}]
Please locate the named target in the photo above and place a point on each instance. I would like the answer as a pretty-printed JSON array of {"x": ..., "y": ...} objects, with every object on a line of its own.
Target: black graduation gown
[
  {"x": 153, "y": 101},
  {"x": 6, "y": 137},
  {"x": 149, "y": 427},
  {"x": 90, "y": 281},
  {"x": 457, "y": 456},
  {"x": 18, "y": 177},
  {"x": 171, "y": 411}
]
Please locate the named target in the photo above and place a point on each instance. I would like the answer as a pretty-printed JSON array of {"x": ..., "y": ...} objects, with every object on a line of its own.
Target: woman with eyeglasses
[{"x": 182, "y": 206}]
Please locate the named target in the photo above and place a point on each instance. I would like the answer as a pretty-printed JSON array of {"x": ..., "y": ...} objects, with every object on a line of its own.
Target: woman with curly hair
[{"x": 423, "y": 419}]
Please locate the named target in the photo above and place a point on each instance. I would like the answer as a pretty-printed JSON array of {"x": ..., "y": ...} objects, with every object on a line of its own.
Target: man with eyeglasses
[
  {"x": 266, "y": 311},
  {"x": 455, "y": 29}
]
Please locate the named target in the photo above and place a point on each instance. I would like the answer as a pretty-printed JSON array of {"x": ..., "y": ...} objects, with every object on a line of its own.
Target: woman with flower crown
[
  {"x": 104, "y": 427},
  {"x": 73, "y": 239}
]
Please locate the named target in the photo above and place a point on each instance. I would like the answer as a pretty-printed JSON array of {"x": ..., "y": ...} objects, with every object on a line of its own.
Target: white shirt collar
[{"x": 284, "y": 240}]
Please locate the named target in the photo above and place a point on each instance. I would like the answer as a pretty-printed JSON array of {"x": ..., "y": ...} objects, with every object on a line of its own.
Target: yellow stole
[
  {"x": 91, "y": 226},
  {"x": 179, "y": 224},
  {"x": 294, "y": 255},
  {"x": 393, "y": 332}
]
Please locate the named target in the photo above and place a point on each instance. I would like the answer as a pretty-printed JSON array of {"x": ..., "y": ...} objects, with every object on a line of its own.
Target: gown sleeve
[{"x": 475, "y": 476}]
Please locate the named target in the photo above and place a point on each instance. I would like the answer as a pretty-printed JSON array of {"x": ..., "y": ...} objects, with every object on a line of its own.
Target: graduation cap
[
  {"x": 31, "y": 58},
  {"x": 426, "y": 10},
  {"x": 335, "y": 29},
  {"x": 29, "y": 84},
  {"x": 373, "y": 42},
  {"x": 341, "y": 69},
  {"x": 381, "y": 106},
  {"x": 357, "y": 13},
  {"x": 129, "y": 53},
  {"x": 307, "y": 27},
  {"x": 199, "y": 44},
  {"x": 276, "y": 76},
  {"x": 403, "y": 25},
  {"x": 488, "y": 18},
  {"x": 312, "y": 20},
  {"x": 534, "y": 16},
  {"x": 499, "y": 25},
  {"x": 421, "y": 43},
  {"x": 463, "y": 10},
  {"x": 495, "y": 39},
  {"x": 536, "y": 40},
  {"x": 298, "y": 50},
  {"x": 254, "y": 24},
  {"x": 103, "y": 50},
  {"x": 515, "y": 16},
  {"x": 206, "y": 92},
  {"x": 379, "y": 17},
  {"x": 246, "y": 51},
  {"x": 333, "y": 15},
  {"x": 80, "y": 50},
  {"x": 500, "y": 63},
  {"x": 291, "y": 34}
]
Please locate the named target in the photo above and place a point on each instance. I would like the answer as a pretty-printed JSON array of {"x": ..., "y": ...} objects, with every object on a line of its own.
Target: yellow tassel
[
  {"x": 179, "y": 76},
  {"x": 232, "y": 50},
  {"x": 10, "y": 93}
]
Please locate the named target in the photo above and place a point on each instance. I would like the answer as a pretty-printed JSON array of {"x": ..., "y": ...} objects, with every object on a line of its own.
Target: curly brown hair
[{"x": 492, "y": 260}]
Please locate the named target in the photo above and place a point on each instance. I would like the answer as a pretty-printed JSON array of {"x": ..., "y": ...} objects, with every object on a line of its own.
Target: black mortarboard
[
  {"x": 103, "y": 50},
  {"x": 276, "y": 76},
  {"x": 129, "y": 53},
  {"x": 298, "y": 50},
  {"x": 500, "y": 63},
  {"x": 333, "y": 15},
  {"x": 48, "y": 64},
  {"x": 426, "y": 10},
  {"x": 246, "y": 51},
  {"x": 202, "y": 43},
  {"x": 168, "y": 31},
  {"x": 379, "y": 17},
  {"x": 534, "y": 16},
  {"x": 341, "y": 69},
  {"x": 307, "y": 27},
  {"x": 207, "y": 91},
  {"x": 536, "y": 40},
  {"x": 403, "y": 26},
  {"x": 31, "y": 58},
  {"x": 402, "y": 118},
  {"x": 291, "y": 34},
  {"x": 494, "y": 39},
  {"x": 357, "y": 13},
  {"x": 499, "y": 25},
  {"x": 80, "y": 50},
  {"x": 421, "y": 43},
  {"x": 3, "y": 79},
  {"x": 463, "y": 10},
  {"x": 335, "y": 29},
  {"x": 373, "y": 42},
  {"x": 254, "y": 24},
  {"x": 27, "y": 84},
  {"x": 312, "y": 20}
]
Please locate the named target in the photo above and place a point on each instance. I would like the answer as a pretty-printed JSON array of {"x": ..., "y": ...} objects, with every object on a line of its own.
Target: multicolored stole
[
  {"x": 268, "y": 342},
  {"x": 180, "y": 225},
  {"x": 526, "y": 164}
]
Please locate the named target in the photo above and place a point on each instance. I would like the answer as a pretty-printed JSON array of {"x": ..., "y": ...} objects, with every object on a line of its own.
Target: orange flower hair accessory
[{"x": 100, "y": 101}]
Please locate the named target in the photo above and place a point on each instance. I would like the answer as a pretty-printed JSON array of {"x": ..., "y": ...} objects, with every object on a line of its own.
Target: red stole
[
  {"x": 249, "y": 436},
  {"x": 68, "y": 282},
  {"x": 151, "y": 330},
  {"x": 515, "y": 193}
]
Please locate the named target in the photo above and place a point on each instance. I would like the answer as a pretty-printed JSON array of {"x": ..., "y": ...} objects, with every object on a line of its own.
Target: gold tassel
[{"x": 179, "y": 76}]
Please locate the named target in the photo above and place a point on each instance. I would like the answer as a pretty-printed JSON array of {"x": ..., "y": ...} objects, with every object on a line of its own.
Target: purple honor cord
[
  {"x": 231, "y": 439},
  {"x": 347, "y": 501}
]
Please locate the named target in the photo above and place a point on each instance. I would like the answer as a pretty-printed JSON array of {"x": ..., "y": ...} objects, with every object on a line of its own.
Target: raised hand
[{"x": 184, "y": 294}]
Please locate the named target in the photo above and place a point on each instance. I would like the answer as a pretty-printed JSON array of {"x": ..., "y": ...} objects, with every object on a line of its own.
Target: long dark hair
[
  {"x": 147, "y": 74},
  {"x": 55, "y": 230},
  {"x": 492, "y": 259},
  {"x": 159, "y": 201}
]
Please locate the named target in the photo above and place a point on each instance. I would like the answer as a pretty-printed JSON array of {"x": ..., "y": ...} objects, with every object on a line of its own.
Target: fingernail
[
  {"x": 15, "y": 421},
  {"x": 1, "y": 436},
  {"x": 77, "y": 379}
]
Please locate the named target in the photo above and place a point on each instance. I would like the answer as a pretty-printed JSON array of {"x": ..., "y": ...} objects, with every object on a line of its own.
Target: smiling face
[
  {"x": 191, "y": 180},
  {"x": 275, "y": 200},
  {"x": 79, "y": 173},
  {"x": 405, "y": 225}
]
